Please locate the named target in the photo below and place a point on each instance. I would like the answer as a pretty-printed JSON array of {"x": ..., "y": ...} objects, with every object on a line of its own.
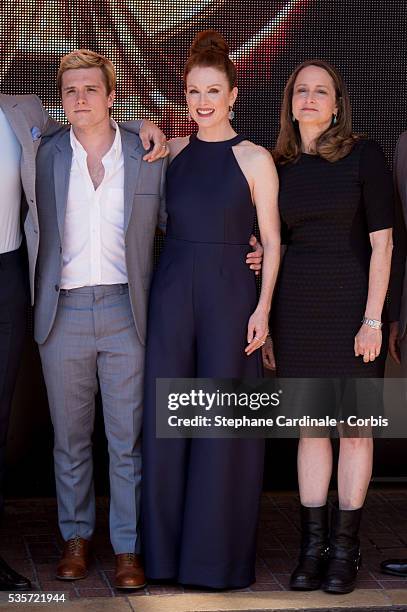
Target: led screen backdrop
[{"x": 148, "y": 40}]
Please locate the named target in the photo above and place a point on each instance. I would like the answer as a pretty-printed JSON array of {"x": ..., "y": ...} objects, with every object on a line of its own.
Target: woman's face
[
  {"x": 209, "y": 96},
  {"x": 314, "y": 97}
]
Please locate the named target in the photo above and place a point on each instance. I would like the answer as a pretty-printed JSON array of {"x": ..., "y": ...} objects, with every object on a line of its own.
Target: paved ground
[{"x": 29, "y": 540}]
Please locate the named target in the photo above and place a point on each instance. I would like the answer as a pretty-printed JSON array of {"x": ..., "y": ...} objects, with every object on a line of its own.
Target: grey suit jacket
[
  {"x": 398, "y": 277},
  {"x": 144, "y": 209},
  {"x": 24, "y": 113}
]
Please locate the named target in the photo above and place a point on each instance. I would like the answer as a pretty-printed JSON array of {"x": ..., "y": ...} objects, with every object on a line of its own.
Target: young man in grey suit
[
  {"x": 23, "y": 123},
  {"x": 398, "y": 294},
  {"x": 98, "y": 204}
]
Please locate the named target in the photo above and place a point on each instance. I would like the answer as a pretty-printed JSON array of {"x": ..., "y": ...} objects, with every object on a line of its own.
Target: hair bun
[{"x": 209, "y": 40}]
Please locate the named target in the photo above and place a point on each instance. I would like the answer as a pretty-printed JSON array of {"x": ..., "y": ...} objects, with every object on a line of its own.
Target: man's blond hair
[{"x": 83, "y": 58}]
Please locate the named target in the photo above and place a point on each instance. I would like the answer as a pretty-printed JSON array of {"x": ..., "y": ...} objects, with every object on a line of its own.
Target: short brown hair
[
  {"x": 336, "y": 142},
  {"x": 210, "y": 50},
  {"x": 83, "y": 58}
]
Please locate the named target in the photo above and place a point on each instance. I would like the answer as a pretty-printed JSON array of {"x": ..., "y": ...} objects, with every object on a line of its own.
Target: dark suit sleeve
[
  {"x": 399, "y": 245},
  {"x": 162, "y": 215},
  {"x": 377, "y": 187},
  {"x": 131, "y": 126}
]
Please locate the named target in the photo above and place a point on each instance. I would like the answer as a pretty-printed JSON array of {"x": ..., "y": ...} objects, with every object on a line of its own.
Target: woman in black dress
[{"x": 336, "y": 207}]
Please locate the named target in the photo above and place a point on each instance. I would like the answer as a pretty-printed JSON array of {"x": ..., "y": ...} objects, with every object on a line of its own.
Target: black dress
[
  {"x": 328, "y": 210},
  {"x": 200, "y": 497}
]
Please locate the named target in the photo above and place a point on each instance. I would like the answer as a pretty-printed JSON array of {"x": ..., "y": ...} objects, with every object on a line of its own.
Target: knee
[
  {"x": 353, "y": 445},
  {"x": 314, "y": 444},
  {"x": 314, "y": 432}
]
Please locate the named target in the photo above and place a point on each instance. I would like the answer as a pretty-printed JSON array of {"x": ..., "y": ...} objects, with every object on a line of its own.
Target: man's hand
[
  {"x": 269, "y": 360},
  {"x": 151, "y": 132},
  {"x": 255, "y": 257},
  {"x": 394, "y": 345}
]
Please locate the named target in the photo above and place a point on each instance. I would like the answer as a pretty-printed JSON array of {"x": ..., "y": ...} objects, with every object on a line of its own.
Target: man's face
[{"x": 84, "y": 98}]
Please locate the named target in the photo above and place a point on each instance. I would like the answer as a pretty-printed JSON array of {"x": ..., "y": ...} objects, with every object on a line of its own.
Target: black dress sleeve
[
  {"x": 377, "y": 187},
  {"x": 398, "y": 262}
]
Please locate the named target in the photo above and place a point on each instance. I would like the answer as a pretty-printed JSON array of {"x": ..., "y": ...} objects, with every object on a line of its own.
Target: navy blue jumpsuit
[{"x": 201, "y": 496}]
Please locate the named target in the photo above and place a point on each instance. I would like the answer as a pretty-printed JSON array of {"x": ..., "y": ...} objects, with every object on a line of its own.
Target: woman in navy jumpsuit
[{"x": 201, "y": 496}]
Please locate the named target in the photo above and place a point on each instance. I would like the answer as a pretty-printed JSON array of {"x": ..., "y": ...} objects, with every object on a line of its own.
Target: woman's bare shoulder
[
  {"x": 176, "y": 145},
  {"x": 254, "y": 153},
  {"x": 251, "y": 149}
]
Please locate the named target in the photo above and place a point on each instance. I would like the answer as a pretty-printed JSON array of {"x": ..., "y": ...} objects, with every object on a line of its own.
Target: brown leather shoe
[
  {"x": 75, "y": 560},
  {"x": 129, "y": 572}
]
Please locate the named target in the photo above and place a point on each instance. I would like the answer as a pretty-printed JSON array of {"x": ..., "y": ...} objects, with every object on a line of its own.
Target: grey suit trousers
[{"x": 93, "y": 338}]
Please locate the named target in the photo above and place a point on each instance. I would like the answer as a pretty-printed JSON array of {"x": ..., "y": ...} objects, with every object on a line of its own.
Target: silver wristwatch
[{"x": 374, "y": 323}]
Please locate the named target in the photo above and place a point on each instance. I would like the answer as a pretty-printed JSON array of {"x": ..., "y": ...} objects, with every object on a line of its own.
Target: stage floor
[{"x": 30, "y": 541}]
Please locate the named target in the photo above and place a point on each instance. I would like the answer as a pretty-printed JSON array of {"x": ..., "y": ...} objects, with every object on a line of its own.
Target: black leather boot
[
  {"x": 309, "y": 572},
  {"x": 10, "y": 580},
  {"x": 344, "y": 552}
]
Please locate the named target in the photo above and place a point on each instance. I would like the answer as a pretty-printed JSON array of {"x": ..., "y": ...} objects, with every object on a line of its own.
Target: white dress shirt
[
  {"x": 93, "y": 242},
  {"x": 10, "y": 181}
]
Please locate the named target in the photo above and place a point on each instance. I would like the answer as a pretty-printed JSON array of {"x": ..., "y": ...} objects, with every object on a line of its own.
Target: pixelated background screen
[{"x": 148, "y": 41}]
